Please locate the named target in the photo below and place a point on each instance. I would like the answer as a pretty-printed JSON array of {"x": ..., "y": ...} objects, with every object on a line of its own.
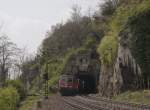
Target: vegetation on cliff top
[{"x": 116, "y": 23}]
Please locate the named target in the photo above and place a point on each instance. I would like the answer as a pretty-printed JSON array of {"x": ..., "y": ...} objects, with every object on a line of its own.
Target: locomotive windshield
[
  {"x": 67, "y": 79},
  {"x": 68, "y": 84}
]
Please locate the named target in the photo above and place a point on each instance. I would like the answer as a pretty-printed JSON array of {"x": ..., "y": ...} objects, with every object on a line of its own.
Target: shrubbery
[
  {"x": 116, "y": 23},
  {"x": 17, "y": 84},
  {"x": 108, "y": 49},
  {"x": 9, "y": 98},
  {"x": 141, "y": 96}
]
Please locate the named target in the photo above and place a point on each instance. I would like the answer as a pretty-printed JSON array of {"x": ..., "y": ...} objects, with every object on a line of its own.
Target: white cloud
[
  {"x": 28, "y": 31},
  {"x": 25, "y": 32}
]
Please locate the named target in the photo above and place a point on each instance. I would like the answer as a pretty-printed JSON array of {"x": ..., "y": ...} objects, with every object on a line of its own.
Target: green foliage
[
  {"x": 90, "y": 42},
  {"x": 124, "y": 12},
  {"x": 134, "y": 17},
  {"x": 108, "y": 49},
  {"x": 17, "y": 84},
  {"x": 140, "y": 40},
  {"x": 66, "y": 36},
  {"x": 53, "y": 81},
  {"x": 30, "y": 70},
  {"x": 9, "y": 98},
  {"x": 55, "y": 68},
  {"x": 57, "y": 65},
  {"x": 29, "y": 102},
  {"x": 116, "y": 24},
  {"x": 108, "y": 7},
  {"x": 37, "y": 85},
  {"x": 145, "y": 5},
  {"x": 134, "y": 97}
]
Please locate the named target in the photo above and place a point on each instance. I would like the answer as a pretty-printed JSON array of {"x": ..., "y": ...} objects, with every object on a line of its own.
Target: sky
[{"x": 26, "y": 22}]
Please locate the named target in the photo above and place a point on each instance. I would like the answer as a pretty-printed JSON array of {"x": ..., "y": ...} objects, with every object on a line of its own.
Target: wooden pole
[
  {"x": 143, "y": 84},
  {"x": 148, "y": 82}
]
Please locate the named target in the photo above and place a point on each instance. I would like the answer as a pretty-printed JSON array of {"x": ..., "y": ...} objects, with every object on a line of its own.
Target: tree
[
  {"x": 108, "y": 7},
  {"x": 8, "y": 50},
  {"x": 76, "y": 13}
]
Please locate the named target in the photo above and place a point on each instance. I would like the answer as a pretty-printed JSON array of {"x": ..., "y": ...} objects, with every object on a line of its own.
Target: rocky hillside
[
  {"x": 125, "y": 51},
  {"x": 119, "y": 31}
]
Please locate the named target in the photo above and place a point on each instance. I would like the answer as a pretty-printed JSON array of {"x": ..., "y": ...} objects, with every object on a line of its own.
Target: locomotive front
[{"x": 68, "y": 85}]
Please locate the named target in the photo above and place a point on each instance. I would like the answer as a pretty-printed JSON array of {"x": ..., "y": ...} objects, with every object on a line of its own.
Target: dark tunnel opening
[{"x": 88, "y": 83}]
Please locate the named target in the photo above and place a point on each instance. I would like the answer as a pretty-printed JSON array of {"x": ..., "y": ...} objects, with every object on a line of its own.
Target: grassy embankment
[{"x": 138, "y": 97}]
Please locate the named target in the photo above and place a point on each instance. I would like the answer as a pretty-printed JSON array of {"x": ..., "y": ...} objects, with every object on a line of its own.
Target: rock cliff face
[
  {"x": 130, "y": 70},
  {"x": 106, "y": 81},
  {"x": 126, "y": 67},
  {"x": 124, "y": 74}
]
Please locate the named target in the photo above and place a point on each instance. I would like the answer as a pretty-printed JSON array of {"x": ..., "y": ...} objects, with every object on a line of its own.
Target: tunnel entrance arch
[
  {"x": 89, "y": 77},
  {"x": 88, "y": 83},
  {"x": 86, "y": 69}
]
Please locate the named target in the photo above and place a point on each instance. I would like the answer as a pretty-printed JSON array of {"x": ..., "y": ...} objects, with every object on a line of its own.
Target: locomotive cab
[{"x": 68, "y": 85}]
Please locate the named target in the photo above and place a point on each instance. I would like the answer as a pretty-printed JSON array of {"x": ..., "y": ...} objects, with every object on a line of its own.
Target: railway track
[
  {"x": 116, "y": 105},
  {"x": 80, "y": 104},
  {"x": 95, "y": 103},
  {"x": 74, "y": 105}
]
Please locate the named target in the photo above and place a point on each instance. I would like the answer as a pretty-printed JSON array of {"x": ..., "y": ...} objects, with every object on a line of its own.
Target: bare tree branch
[{"x": 8, "y": 52}]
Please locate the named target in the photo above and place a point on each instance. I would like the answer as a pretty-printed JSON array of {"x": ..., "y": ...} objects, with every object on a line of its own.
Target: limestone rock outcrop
[{"x": 124, "y": 74}]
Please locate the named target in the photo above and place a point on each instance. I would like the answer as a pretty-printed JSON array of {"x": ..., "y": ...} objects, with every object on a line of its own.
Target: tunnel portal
[
  {"x": 85, "y": 67},
  {"x": 88, "y": 83}
]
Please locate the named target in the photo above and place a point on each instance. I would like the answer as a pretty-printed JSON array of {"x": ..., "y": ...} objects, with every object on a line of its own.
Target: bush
[
  {"x": 9, "y": 98},
  {"x": 17, "y": 84},
  {"x": 90, "y": 42},
  {"x": 29, "y": 102},
  {"x": 108, "y": 7},
  {"x": 108, "y": 49}
]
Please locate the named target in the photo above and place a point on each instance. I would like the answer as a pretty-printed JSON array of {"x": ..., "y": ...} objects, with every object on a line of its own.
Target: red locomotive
[{"x": 68, "y": 85}]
